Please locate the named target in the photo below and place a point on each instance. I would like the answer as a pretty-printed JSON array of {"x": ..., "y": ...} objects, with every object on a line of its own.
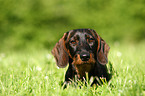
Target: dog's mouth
[
  {"x": 77, "y": 60},
  {"x": 84, "y": 63}
]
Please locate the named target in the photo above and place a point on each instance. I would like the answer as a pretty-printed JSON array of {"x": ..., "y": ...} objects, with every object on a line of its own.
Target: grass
[{"x": 36, "y": 74}]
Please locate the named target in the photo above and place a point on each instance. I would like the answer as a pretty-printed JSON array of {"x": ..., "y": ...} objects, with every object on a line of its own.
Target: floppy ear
[
  {"x": 60, "y": 52},
  {"x": 102, "y": 50},
  {"x": 102, "y": 53}
]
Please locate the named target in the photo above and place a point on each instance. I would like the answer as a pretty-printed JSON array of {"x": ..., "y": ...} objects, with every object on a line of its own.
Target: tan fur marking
[{"x": 83, "y": 66}]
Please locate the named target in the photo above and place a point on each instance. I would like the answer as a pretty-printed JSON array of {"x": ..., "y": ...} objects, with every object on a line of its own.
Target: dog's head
[{"x": 82, "y": 46}]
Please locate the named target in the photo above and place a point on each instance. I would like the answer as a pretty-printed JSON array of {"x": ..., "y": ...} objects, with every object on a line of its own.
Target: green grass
[{"x": 36, "y": 74}]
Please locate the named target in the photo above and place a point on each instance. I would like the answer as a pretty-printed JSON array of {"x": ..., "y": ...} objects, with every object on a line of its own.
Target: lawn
[
  {"x": 34, "y": 73},
  {"x": 30, "y": 28}
]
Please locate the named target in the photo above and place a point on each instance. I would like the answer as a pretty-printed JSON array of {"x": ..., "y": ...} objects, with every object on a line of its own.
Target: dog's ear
[
  {"x": 102, "y": 49},
  {"x": 102, "y": 53},
  {"x": 60, "y": 52}
]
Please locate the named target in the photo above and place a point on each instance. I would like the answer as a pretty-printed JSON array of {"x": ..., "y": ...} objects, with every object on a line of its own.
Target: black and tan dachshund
[{"x": 85, "y": 51}]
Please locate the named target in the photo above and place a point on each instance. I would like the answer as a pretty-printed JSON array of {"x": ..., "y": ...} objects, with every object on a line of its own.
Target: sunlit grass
[{"x": 35, "y": 73}]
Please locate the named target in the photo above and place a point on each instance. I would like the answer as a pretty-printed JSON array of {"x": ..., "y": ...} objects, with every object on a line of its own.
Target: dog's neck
[{"x": 81, "y": 70}]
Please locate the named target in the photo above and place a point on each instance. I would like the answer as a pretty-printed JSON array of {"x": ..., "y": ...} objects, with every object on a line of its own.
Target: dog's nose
[{"x": 85, "y": 56}]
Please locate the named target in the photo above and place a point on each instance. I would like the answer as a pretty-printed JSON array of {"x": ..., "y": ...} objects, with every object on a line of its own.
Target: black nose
[{"x": 85, "y": 56}]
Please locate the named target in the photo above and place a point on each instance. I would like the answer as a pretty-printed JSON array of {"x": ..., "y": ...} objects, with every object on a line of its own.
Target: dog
[{"x": 85, "y": 51}]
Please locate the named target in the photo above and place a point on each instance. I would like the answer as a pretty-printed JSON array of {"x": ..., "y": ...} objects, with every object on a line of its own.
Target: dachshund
[{"x": 85, "y": 51}]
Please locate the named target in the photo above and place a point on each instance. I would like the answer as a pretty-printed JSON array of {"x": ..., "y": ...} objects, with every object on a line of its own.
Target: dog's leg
[{"x": 70, "y": 74}]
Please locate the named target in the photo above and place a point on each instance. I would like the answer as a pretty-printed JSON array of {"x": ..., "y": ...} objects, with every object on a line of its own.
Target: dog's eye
[
  {"x": 90, "y": 40},
  {"x": 73, "y": 42}
]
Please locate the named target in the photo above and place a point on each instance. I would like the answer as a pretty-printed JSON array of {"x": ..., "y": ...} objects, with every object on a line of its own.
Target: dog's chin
[
  {"x": 80, "y": 62},
  {"x": 86, "y": 63}
]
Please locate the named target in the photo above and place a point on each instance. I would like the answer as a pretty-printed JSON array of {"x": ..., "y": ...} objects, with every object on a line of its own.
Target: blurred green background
[{"x": 39, "y": 24}]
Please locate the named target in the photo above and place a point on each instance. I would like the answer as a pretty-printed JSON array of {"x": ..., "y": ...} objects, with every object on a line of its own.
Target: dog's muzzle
[{"x": 85, "y": 56}]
